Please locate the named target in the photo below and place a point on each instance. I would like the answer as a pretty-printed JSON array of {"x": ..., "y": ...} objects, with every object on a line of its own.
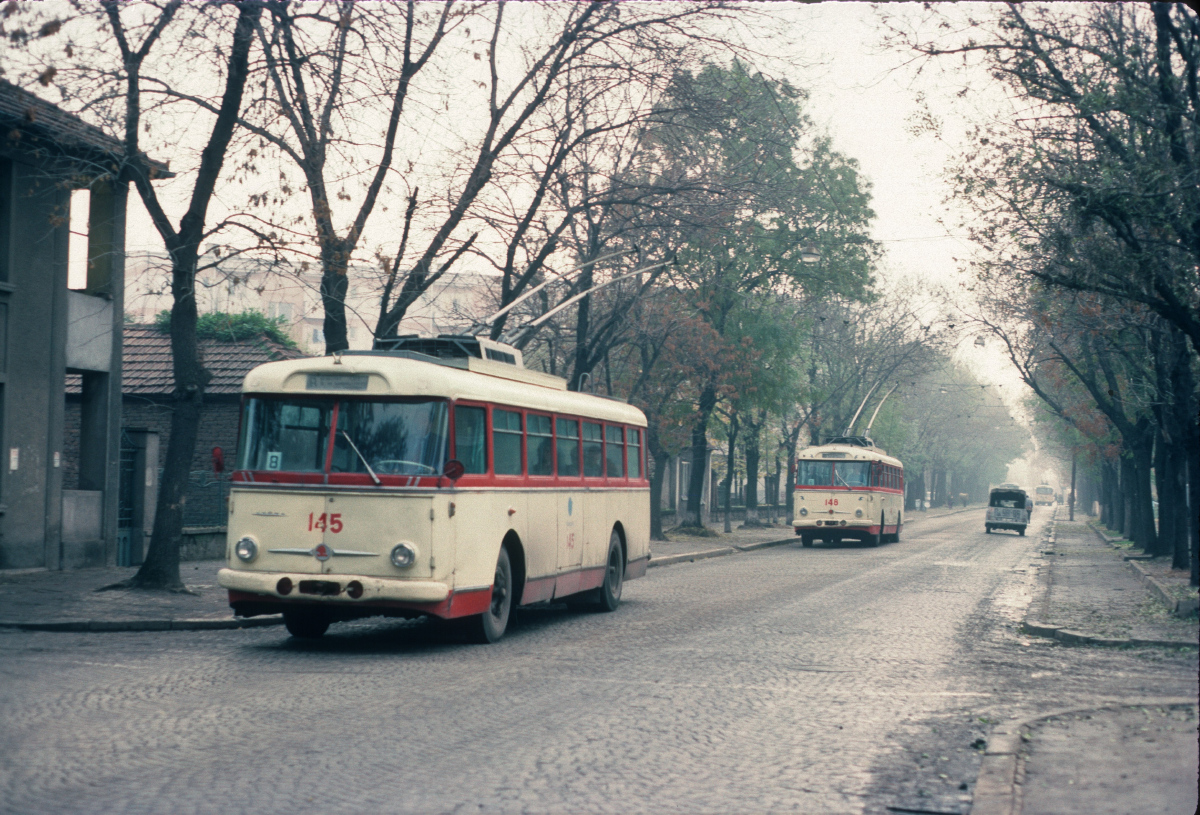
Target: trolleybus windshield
[
  {"x": 828, "y": 473},
  {"x": 395, "y": 438}
]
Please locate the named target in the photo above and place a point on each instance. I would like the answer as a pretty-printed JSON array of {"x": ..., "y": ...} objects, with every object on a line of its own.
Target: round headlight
[
  {"x": 858, "y": 513},
  {"x": 246, "y": 549},
  {"x": 403, "y": 555},
  {"x": 803, "y": 511}
]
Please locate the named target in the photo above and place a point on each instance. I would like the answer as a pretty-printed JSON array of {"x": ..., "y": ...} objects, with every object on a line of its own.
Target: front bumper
[{"x": 374, "y": 589}]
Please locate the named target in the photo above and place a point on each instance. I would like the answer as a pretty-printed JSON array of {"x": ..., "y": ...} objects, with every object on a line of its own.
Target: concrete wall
[
  {"x": 89, "y": 332},
  {"x": 35, "y": 318},
  {"x": 35, "y": 366}
]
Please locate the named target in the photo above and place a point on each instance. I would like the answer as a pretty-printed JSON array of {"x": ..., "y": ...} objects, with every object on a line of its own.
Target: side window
[
  {"x": 593, "y": 450},
  {"x": 470, "y": 438},
  {"x": 506, "y": 441},
  {"x": 614, "y": 441},
  {"x": 566, "y": 447},
  {"x": 539, "y": 445},
  {"x": 633, "y": 437}
]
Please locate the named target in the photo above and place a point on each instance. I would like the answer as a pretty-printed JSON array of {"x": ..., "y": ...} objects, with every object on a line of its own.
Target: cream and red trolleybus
[
  {"x": 848, "y": 489},
  {"x": 440, "y": 478}
]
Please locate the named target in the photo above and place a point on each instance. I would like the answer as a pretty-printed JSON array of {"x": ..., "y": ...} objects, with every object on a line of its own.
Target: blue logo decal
[{"x": 570, "y": 505}]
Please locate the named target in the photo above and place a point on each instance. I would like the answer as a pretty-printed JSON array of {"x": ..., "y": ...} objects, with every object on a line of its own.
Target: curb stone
[
  {"x": 1003, "y": 767},
  {"x": 705, "y": 554},
  {"x": 147, "y": 625},
  {"x": 1179, "y": 608},
  {"x": 750, "y": 547}
]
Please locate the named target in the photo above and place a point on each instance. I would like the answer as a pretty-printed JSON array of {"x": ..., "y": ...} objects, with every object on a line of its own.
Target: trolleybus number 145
[{"x": 325, "y": 521}]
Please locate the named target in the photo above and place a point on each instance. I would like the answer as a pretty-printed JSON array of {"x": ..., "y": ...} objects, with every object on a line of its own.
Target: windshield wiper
[
  {"x": 838, "y": 476},
  {"x": 361, "y": 458}
]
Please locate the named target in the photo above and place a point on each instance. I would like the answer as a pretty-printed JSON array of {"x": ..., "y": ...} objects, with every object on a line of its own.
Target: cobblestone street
[{"x": 838, "y": 679}]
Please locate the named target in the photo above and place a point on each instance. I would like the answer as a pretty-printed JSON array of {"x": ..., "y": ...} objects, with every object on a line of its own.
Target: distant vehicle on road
[
  {"x": 1008, "y": 508},
  {"x": 439, "y": 478},
  {"x": 1043, "y": 495},
  {"x": 848, "y": 489}
]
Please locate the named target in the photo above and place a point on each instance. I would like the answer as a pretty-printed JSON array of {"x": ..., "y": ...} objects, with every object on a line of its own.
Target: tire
[
  {"x": 899, "y": 526},
  {"x": 987, "y": 530},
  {"x": 614, "y": 575},
  {"x": 1021, "y": 532},
  {"x": 608, "y": 595},
  {"x": 877, "y": 538},
  {"x": 490, "y": 626},
  {"x": 306, "y": 623},
  {"x": 806, "y": 540}
]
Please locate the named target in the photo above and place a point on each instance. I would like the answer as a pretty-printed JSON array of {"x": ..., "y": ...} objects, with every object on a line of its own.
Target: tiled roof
[
  {"x": 32, "y": 123},
  {"x": 146, "y": 362}
]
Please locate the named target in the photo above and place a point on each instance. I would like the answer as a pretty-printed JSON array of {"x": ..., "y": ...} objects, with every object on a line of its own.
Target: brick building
[{"x": 146, "y": 406}]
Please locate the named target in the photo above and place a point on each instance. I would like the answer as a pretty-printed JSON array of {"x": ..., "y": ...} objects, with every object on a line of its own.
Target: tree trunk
[
  {"x": 752, "y": 453},
  {"x": 160, "y": 569},
  {"x": 1164, "y": 488},
  {"x": 1143, "y": 513},
  {"x": 335, "y": 283},
  {"x": 730, "y": 461},
  {"x": 657, "y": 472},
  {"x": 707, "y": 402}
]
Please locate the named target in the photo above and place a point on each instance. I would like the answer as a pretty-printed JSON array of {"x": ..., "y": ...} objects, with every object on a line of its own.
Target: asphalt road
[{"x": 832, "y": 679}]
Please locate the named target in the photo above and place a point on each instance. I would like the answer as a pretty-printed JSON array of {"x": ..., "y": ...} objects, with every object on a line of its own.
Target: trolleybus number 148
[
  {"x": 831, "y": 502},
  {"x": 325, "y": 521}
]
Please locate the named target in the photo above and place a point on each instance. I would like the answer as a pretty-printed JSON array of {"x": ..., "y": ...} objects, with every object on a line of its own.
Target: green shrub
[{"x": 247, "y": 325}]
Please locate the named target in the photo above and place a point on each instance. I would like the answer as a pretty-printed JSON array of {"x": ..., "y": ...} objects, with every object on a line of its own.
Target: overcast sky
[{"x": 863, "y": 95}]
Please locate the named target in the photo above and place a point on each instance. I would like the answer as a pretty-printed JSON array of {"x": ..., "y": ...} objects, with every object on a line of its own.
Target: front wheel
[
  {"x": 987, "y": 530},
  {"x": 806, "y": 540},
  {"x": 491, "y": 624},
  {"x": 306, "y": 623}
]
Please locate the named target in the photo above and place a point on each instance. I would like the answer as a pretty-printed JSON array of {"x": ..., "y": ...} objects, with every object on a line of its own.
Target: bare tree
[{"x": 111, "y": 78}]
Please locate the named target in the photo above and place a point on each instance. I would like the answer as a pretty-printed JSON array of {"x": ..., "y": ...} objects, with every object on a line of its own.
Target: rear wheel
[
  {"x": 614, "y": 575},
  {"x": 1021, "y": 532},
  {"x": 306, "y": 623},
  {"x": 987, "y": 529},
  {"x": 899, "y": 525},
  {"x": 877, "y": 538},
  {"x": 608, "y": 596},
  {"x": 491, "y": 624}
]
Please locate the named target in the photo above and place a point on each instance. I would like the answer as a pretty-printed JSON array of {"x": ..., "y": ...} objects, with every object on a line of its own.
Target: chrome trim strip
[
  {"x": 332, "y": 552},
  {"x": 270, "y": 514}
]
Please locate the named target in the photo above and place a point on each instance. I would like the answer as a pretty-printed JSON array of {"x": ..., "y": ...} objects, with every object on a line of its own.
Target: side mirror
[
  {"x": 454, "y": 469},
  {"x": 218, "y": 460}
]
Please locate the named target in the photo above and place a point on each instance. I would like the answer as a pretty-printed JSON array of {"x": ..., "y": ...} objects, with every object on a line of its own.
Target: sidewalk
[
  {"x": 69, "y": 601},
  {"x": 42, "y": 600},
  {"x": 1138, "y": 756}
]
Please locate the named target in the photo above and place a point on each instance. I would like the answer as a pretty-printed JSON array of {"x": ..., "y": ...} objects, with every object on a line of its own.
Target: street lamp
[{"x": 809, "y": 254}]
